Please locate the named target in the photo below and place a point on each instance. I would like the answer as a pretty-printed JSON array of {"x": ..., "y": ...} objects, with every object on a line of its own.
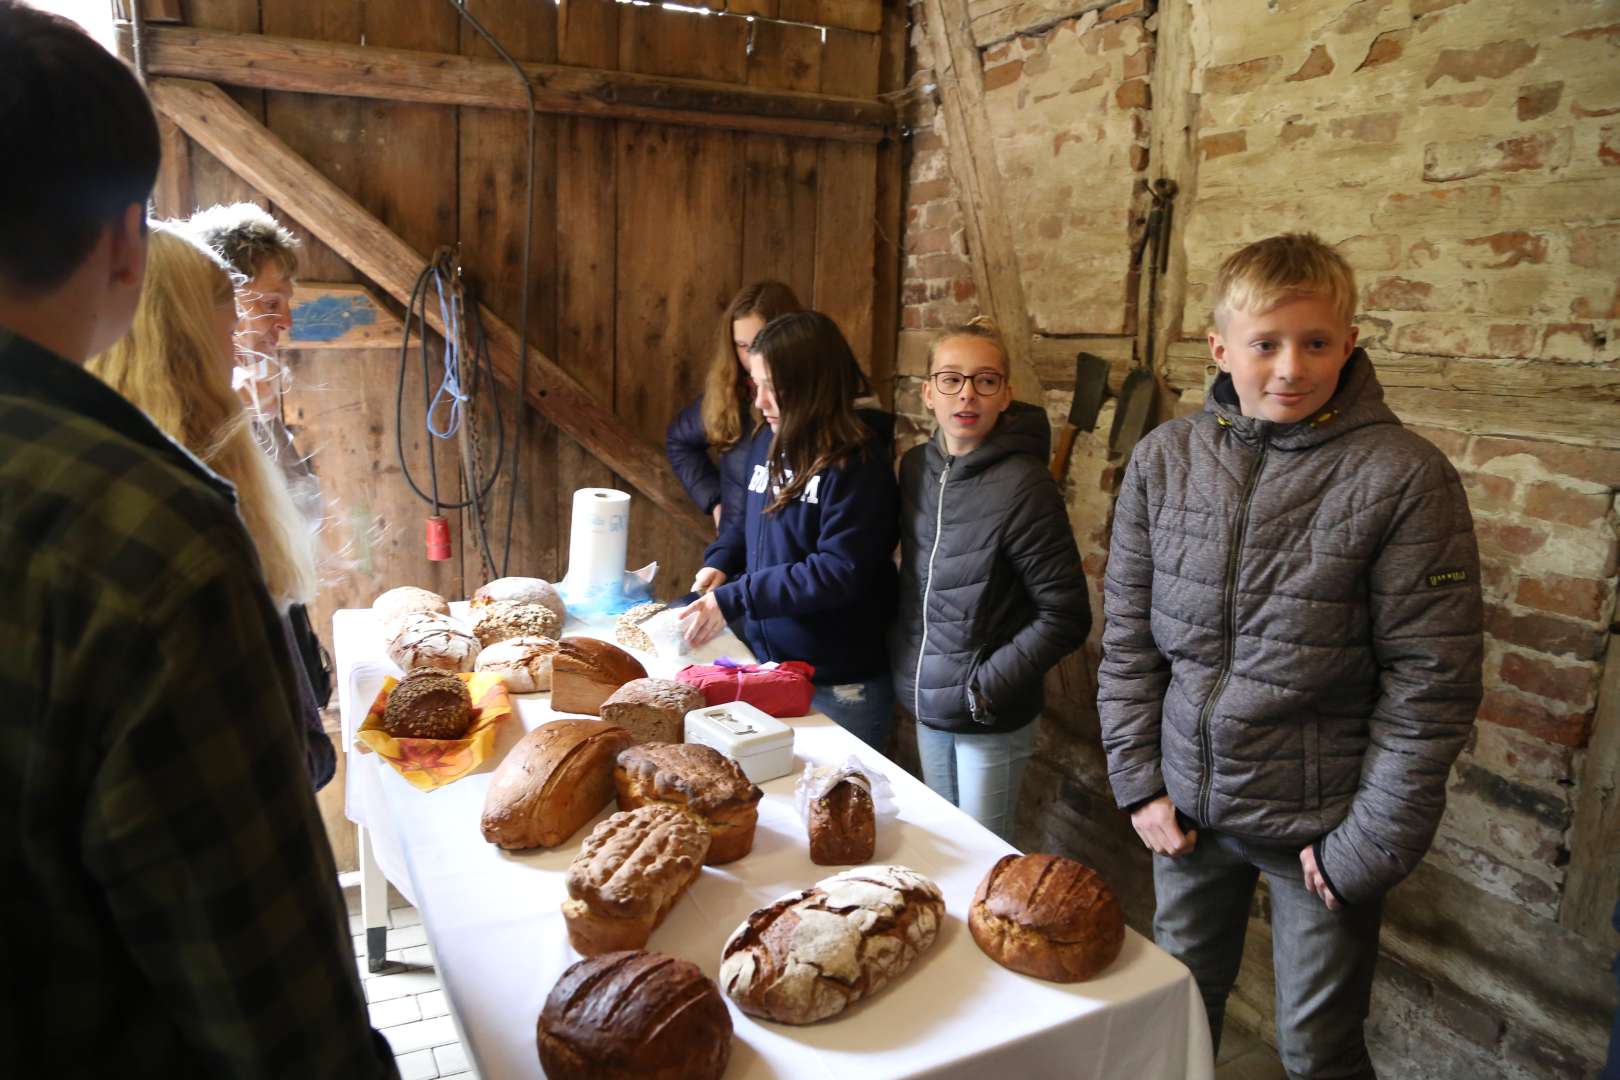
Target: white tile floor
[{"x": 406, "y": 1003}]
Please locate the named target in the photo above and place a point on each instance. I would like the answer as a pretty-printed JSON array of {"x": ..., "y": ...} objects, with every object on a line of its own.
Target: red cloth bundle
[{"x": 780, "y": 691}]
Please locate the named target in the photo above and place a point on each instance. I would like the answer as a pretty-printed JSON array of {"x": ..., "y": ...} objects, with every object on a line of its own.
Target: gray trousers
[{"x": 1323, "y": 959}]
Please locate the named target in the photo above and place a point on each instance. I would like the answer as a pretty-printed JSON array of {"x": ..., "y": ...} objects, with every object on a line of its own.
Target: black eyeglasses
[{"x": 988, "y": 383}]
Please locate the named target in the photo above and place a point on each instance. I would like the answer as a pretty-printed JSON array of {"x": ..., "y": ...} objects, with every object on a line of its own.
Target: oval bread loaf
[
  {"x": 551, "y": 783},
  {"x": 1047, "y": 916}
]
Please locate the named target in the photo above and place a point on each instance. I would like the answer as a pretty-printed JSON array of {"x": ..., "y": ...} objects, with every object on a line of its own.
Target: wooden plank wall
[{"x": 642, "y": 232}]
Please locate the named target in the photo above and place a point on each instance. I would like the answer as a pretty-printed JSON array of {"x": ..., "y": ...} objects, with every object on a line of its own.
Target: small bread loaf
[
  {"x": 1047, "y": 916},
  {"x": 843, "y": 826},
  {"x": 504, "y": 619},
  {"x": 697, "y": 778},
  {"x": 406, "y": 599},
  {"x": 523, "y": 663},
  {"x": 634, "y": 1016},
  {"x": 523, "y": 590},
  {"x": 586, "y": 671},
  {"x": 426, "y": 639},
  {"x": 652, "y": 710},
  {"x": 551, "y": 783},
  {"x": 814, "y": 953},
  {"x": 628, "y": 874},
  {"x": 428, "y": 704}
]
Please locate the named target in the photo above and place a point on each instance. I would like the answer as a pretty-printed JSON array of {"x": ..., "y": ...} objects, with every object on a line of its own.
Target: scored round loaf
[
  {"x": 551, "y": 783},
  {"x": 586, "y": 671},
  {"x": 634, "y": 1016},
  {"x": 629, "y": 872},
  {"x": 523, "y": 663},
  {"x": 813, "y": 953},
  {"x": 428, "y": 704},
  {"x": 652, "y": 710},
  {"x": 406, "y": 599},
  {"x": 697, "y": 778},
  {"x": 524, "y": 590},
  {"x": 1047, "y": 916},
  {"x": 426, "y": 639},
  {"x": 509, "y": 619}
]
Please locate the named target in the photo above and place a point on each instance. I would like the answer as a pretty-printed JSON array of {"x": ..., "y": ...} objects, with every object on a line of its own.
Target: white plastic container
[{"x": 754, "y": 739}]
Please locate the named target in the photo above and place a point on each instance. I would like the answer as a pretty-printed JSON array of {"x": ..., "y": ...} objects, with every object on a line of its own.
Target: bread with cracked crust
[
  {"x": 697, "y": 778},
  {"x": 634, "y": 1016},
  {"x": 814, "y": 953},
  {"x": 551, "y": 783},
  {"x": 1047, "y": 916},
  {"x": 630, "y": 871}
]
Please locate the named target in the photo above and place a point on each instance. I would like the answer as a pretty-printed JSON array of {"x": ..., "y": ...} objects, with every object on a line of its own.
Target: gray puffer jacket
[
  {"x": 991, "y": 590},
  {"x": 1292, "y": 644}
]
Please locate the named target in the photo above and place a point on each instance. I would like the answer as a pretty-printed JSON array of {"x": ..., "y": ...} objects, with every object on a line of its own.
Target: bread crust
[
  {"x": 1047, "y": 916},
  {"x": 629, "y": 872},
  {"x": 551, "y": 783},
  {"x": 586, "y": 671},
  {"x": 405, "y": 600},
  {"x": 697, "y": 778},
  {"x": 652, "y": 710},
  {"x": 843, "y": 824},
  {"x": 426, "y": 639},
  {"x": 523, "y": 663}
]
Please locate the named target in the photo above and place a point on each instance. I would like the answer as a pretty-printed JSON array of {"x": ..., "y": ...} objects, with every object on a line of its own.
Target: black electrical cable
[{"x": 523, "y": 302}]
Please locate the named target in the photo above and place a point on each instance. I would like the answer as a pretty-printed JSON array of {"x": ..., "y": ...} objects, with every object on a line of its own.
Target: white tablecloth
[{"x": 497, "y": 932}]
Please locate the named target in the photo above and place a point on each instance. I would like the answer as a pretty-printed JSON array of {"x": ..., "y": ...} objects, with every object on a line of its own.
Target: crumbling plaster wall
[{"x": 1465, "y": 156}]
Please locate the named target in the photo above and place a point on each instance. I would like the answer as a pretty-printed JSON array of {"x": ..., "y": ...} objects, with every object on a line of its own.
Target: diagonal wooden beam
[
  {"x": 959, "y": 74},
  {"x": 327, "y": 67},
  {"x": 248, "y": 148}
]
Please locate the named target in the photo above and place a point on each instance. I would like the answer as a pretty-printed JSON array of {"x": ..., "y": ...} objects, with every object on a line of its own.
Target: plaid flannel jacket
[{"x": 170, "y": 903}]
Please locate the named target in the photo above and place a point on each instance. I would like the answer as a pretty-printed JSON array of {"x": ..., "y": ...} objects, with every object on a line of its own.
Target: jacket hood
[
  {"x": 1358, "y": 402},
  {"x": 1022, "y": 429}
]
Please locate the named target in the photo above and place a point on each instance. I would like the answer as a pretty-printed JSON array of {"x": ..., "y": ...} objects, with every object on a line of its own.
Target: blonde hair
[
  {"x": 170, "y": 367},
  {"x": 725, "y": 395},
  {"x": 982, "y": 327},
  {"x": 1281, "y": 268},
  {"x": 247, "y": 237}
]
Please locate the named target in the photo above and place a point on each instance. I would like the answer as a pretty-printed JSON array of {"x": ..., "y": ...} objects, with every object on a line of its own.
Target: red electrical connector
[{"x": 438, "y": 538}]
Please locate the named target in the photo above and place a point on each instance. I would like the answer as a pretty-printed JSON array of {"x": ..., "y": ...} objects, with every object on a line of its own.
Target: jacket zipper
[
  {"x": 1229, "y": 599},
  {"x": 928, "y": 584}
]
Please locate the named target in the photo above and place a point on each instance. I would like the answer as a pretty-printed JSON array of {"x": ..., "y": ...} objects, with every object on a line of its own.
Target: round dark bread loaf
[
  {"x": 1047, "y": 916},
  {"x": 634, "y": 1016},
  {"x": 429, "y": 704}
]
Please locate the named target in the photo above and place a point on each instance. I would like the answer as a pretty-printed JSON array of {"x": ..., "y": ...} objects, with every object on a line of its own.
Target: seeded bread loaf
[
  {"x": 843, "y": 824},
  {"x": 813, "y": 953},
  {"x": 652, "y": 710},
  {"x": 509, "y": 619},
  {"x": 523, "y": 590},
  {"x": 696, "y": 778},
  {"x": 426, "y": 639},
  {"x": 634, "y": 1016},
  {"x": 428, "y": 704},
  {"x": 586, "y": 671},
  {"x": 551, "y": 783},
  {"x": 523, "y": 663},
  {"x": 628, "y": 874},
  {"x": 1047, "y": 916}
]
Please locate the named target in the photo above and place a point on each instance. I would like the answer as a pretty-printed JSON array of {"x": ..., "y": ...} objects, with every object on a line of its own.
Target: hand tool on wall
[
  {"x": 1090, "y": 386},
  {"x": 1135, "y": 410}
]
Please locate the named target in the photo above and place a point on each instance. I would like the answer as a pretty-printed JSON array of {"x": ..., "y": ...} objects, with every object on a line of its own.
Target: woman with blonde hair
[
  {"x": 723, "y": 418},
  {"x": 175, "y": 365}
]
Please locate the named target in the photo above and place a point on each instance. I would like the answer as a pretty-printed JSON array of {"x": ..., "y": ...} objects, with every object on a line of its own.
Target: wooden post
[
  {"x": 324, "y": 67},
  {"x": 225, "y": 130},
  {"x": 960, "y": 77}
]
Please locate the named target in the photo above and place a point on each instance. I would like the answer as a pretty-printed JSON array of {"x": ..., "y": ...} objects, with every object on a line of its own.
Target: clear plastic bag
[{"x": 817, "y": 780}]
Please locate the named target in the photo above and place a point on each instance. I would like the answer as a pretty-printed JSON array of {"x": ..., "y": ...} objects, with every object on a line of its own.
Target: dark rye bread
[
  {"x": 1047, "y": 916},
  {"x": 843, "y": 824},
  {"x": 428, "y": 704},
  {"x": 634, "y": 1016}
]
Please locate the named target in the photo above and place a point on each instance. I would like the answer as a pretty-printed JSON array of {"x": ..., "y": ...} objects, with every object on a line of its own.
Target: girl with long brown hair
[
  {"x": 722, "y": 419},
  {"x": 805, "y": 565}
]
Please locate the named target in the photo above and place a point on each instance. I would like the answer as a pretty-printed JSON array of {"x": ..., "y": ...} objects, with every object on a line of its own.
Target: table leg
[{"x": 373, "y": 904}]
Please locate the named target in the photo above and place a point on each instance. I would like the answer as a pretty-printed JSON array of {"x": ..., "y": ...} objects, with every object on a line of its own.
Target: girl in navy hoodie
[{"x": 807, "y": 565}]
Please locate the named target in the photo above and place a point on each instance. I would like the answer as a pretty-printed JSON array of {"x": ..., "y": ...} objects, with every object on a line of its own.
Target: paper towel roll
[{"x": 596, "y": 548}]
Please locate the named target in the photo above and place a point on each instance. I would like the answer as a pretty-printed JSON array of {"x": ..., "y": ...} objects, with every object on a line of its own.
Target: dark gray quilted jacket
[
  {"x": 1292, "y": 643},
  {"x": 991, "y": 590}
]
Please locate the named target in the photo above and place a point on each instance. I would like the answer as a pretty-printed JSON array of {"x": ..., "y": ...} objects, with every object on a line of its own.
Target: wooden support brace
[
  {"x": 247, "y": 147},
  {"x": 324, "y": 67}
]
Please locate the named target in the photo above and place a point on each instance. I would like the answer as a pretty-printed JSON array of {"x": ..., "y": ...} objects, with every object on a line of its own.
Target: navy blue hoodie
[
  {"x": 686, "y": 445},
  {"x": 815, "y": 581}
]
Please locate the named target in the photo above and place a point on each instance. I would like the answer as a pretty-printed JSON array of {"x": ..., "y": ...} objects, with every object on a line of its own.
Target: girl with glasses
[{"x": 991, "y": 590}]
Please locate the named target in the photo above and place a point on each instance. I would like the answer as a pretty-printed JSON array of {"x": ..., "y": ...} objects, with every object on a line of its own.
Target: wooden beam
[
  {"x": 244, "y": 145},
  {"x": 960, "y": 77},
  {"x": 1594, "y": 835},
  {"x": 323, "y": 67}
]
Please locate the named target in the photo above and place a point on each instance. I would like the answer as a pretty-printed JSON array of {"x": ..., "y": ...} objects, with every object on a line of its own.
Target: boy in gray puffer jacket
[
  {"x": 1292, "y": 651},
  {"x": 991, "y": 590}
]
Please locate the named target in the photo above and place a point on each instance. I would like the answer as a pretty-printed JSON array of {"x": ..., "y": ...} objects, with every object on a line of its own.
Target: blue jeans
[
  {"x": 979, "y": 773},
  {"x": 864, "y": 709}
]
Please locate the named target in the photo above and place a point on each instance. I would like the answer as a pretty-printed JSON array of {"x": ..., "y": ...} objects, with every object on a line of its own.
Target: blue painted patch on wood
[{"x": 327, "y": 318}]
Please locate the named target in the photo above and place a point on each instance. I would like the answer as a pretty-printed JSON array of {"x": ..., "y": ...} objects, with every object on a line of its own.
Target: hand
[
  {"x": 1156, "y": 824},
  {"x": 1314, "y": 881},
  {"x": 703, "y": 618},
  {"x": 708, "y": 579},
  {"x": 716, "y": 513}
]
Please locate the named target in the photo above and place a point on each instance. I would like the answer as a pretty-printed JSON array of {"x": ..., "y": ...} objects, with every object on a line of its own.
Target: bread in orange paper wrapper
[{"x": 433, "y": 763}]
